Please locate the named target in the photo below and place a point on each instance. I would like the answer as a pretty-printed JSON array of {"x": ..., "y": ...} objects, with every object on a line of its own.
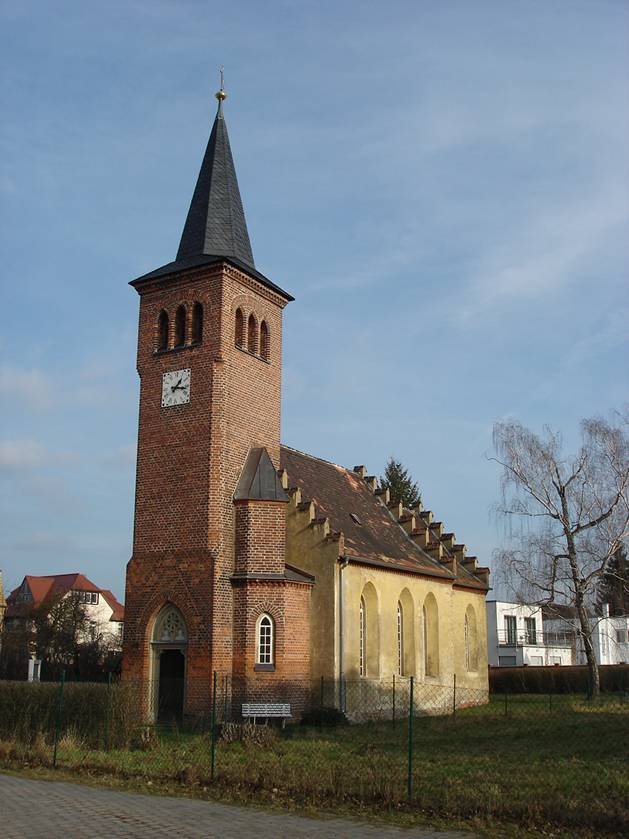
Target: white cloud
[
  {"x": 547, "y": 251},
  {"x": 44, "y": 541},
  {"x": 122, "y": 455},
  {"x": 16, "y": 455},
  {"x": 614, "y": 332},
  {"x": 31, "y": 386}
]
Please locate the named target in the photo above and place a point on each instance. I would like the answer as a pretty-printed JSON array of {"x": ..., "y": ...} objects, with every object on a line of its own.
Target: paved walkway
[{"x": 49, "y": 809}]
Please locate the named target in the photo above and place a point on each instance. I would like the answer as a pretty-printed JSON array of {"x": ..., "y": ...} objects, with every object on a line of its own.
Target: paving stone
[{"x": 31, "y": 809}]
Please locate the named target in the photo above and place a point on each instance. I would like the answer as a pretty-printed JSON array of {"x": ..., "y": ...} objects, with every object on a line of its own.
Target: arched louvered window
[
  {"x": 239, "y": 333},
  {"x": 197, "y": 323},
  {"x": 180, "y": 327},
  {"x": 162, "y": 331},
  {"x": 265, "y": 341},
  {"x": 252, "y": 334},
  {"x": 264, "y": 640}
]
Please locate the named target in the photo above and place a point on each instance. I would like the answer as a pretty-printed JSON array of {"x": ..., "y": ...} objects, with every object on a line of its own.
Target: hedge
[
  {"x": 93, "y": 712},
  {"x": 561, "y": 679}
]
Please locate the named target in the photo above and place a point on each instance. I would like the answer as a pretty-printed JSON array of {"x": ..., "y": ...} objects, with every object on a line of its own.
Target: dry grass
[{"x": 557, "y": 767}]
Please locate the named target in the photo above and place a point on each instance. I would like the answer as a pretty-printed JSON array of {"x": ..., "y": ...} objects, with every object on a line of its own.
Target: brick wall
[
  {"x": 288, "y": 604},
  {"x": 260, "y": 536},
  {"x": 189, "y": 461}
]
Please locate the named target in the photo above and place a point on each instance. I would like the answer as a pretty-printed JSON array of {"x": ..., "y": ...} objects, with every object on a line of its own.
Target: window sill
[
  {"x": 170, "y": 350},
  {"x": 252, "y": 354},
  {"x": 264, "y": 668}
]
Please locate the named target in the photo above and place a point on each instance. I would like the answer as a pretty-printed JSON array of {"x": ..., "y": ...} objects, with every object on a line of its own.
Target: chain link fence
[{"x": 447, "y": 750}]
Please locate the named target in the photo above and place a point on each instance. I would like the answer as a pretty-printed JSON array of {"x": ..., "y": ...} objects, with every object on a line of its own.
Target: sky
[{"x": 441, "y": 185}]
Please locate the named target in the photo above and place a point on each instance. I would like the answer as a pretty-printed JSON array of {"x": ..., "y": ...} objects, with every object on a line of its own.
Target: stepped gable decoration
[
  {"x": 348, "y": 501},
  {"x": 258, "y": 480}
]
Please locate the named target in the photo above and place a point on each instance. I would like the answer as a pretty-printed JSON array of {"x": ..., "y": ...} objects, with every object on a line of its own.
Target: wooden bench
[{"x": 279, "y": 710}]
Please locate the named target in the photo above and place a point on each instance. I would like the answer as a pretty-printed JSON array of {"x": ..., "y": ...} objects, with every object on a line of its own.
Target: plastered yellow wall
[
  {"x": 310, "y": 548},
  {"x": 412, "y": 590}
]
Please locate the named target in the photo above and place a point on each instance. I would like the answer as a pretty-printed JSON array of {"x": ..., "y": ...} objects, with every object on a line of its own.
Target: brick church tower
[{"x": 207, "y": 586}]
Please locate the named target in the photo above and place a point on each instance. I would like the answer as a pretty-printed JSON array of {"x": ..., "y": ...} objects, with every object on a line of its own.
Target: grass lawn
[{"x": 559, "y": 766}]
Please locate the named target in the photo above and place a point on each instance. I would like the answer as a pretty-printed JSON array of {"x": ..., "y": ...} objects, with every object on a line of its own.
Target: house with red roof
[{"x": 103, "y": 610}]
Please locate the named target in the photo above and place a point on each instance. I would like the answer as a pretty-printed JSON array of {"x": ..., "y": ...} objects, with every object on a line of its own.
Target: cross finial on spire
[{"x": 221, "y": 95}]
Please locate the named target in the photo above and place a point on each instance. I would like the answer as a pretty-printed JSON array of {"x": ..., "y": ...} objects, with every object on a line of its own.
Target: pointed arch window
[
  {"x": 369, "y": 633},
  {"x": 239, "y": 329},
  {"x": 197, "y": 323},
  {"x": 265, "y": 640},
  {"x": 430, "y": 620},
  {"x": 400, "y": 640},
  {"x": 162, "y": 331},
  {"x": 180, "y": 327},
  {"x": 252, "y": 334},
  {"x": 362, "y": 638},
  {"x": 471, "y": 640},
  {"x": 170, "y": 627},
  {"x": 265, "y": 341}
]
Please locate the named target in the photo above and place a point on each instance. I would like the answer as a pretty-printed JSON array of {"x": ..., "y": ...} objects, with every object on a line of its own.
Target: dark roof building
[{"x": 250, "y": 558}]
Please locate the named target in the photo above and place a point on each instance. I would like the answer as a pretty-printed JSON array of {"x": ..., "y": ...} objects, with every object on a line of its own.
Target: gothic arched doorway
[{"x": 169, "y": 642}]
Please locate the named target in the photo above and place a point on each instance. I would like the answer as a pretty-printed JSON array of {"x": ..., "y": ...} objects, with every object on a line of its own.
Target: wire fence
[{"x": 444, "y": 748}]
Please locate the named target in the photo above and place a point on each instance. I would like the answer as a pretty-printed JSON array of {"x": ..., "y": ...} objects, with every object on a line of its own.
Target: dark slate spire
[
  {"x": 215, "y": 229},
  {"x": 216, "y": 220}
]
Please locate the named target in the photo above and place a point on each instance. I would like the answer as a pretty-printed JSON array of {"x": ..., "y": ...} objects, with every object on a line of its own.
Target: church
[{"x": 268, "y": 566}]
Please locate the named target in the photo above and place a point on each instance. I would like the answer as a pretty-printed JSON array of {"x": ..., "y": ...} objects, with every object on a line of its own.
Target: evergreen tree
[
  {"x": 400, "y": 484},
  {"x": 614, "y": 585}
]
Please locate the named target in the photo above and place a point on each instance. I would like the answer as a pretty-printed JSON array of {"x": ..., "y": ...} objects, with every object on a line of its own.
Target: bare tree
[
  {"x": 60, "y": 633},
  {"x": 572, "y": 511}
]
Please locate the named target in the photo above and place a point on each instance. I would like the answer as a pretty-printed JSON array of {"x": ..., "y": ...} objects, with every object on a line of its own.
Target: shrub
[
  {"x": 324, "y": 716},
  {"x": 249, "y": 733},
  {"x": 573, "y": 679},
  {"x": 91, "y": 712}
]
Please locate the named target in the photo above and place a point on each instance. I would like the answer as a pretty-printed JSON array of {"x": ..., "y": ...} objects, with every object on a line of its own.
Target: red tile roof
[
  {"x": 115, "y": 605},
  {"x": 371, "y": 533},
  {"x": 48, "y": 587}
]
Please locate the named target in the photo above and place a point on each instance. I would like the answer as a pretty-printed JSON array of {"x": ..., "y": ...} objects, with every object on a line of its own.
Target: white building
[
  {"x": 517, "y": 635},
  {"x": 609, "y": 638}
]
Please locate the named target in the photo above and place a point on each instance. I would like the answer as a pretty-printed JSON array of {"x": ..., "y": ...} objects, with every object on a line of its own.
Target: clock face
[{"x": 175, "y": 388}]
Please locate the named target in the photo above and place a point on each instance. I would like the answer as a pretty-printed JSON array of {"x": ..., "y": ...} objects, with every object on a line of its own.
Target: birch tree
[{"x": 572, "y": 512}]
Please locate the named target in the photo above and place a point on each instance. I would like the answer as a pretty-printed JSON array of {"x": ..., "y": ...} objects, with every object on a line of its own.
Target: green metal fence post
[
  {"x": 108, "y": 712},
  {"x": 506, "y": 702},
  {"x": 225, "y": 700},
  {"x": 58, "y": 720},
  {"x": 454, "y": 695},
  {"x": 393, "y": 706},
  {"x": 410, "y": 741},
  {"x": 213, "y": 757}
]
